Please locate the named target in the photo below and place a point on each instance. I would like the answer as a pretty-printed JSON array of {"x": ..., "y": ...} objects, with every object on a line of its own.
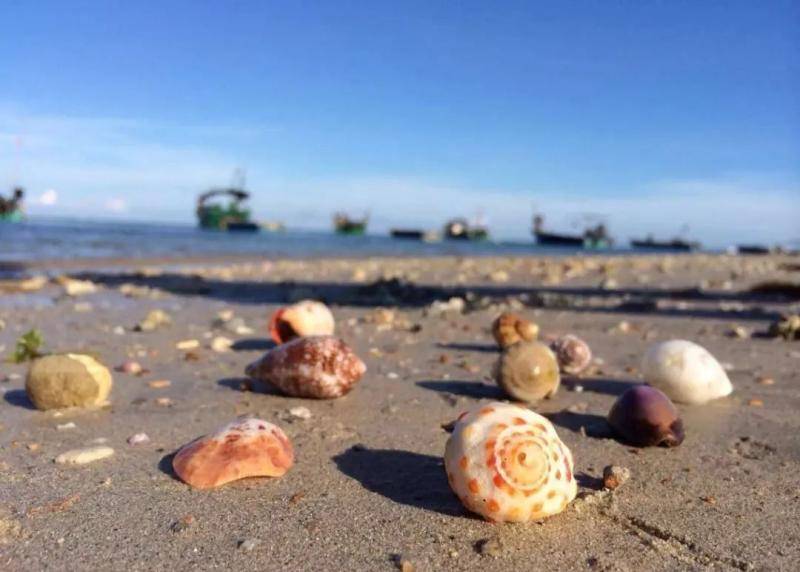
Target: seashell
[
  {"x": 58, "y": 381},
  {"x": 507, "y": 463},
  {"x": 644, "y": 416},
  {"x": 245, "y": 448},
  {"x": 316, "y": 366},
  {"x": 508, "y": 329},
  {"x": 527, "y": 371},
  {"x": 304, "y": 318},
  {"x": 787, "y": 327},
  {"x": 685, "y": 372},
  {"x": 572, "y": 353}
]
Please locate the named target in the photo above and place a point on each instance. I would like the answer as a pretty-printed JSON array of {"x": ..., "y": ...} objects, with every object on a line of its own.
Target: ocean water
[{"x": 39, "y": 240}]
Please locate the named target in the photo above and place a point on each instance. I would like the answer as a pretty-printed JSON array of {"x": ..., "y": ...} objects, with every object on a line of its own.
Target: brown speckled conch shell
[
  {"x": 508, "y": 329},
  {"x": 507, "y": 463},
  {"x": 305, "y": 318},
  {"x": 321, "y": 367},
  {"x": 245, "y": 448},
  {"x": 573, "y": 354}
]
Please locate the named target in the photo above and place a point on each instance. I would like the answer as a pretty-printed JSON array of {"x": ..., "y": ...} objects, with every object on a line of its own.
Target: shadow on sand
[
  {"x": 403, "y": 477},
  {"x": 18, "y": 398},
  {"x": 594, "y": 425},
  {"x": 606, "y": 386},
  {"x": 247, "y": 385},
  {"x": 473, "y": 389},
  {"x": 253, "y": 345}
]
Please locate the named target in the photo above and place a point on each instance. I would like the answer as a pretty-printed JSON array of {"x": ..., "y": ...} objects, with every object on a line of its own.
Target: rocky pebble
[{"x": 58, "y": 381}]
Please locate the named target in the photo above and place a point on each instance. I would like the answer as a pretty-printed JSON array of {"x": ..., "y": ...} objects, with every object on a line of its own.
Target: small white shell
[
  {"x": 507, "y": 463},
  {"x": 685, "y": 372}
]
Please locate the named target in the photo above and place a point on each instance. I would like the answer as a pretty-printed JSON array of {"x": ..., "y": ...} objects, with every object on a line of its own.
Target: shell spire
[{"x": 507, "y": 463}]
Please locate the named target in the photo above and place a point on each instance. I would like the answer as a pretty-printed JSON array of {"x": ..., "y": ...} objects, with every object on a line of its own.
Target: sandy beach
[{"x": 368, "y": 490}]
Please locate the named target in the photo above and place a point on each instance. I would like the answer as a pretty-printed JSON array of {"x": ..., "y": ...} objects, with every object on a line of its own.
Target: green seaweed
[{"x": 28, "y": 347}]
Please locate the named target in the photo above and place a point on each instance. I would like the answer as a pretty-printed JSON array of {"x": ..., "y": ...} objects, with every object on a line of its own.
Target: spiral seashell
[
  {"x": 527, "y": 371},
  {"x": 245, "y": 448},
  {"x": 645, "y": 417},
  {"x": 685, "y": 372},
  {"x": 508, "y": 329},
  {"x": 572, "y": 353},
  {"x": 507, "y": 463},
  {"x": 304, "y": 318},
  {"x": 321, "y": 367}
]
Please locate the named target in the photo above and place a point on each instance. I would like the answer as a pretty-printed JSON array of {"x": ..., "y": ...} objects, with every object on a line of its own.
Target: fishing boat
[
  {"x": 233, "y": 216},
  {"x": 676, "y": 244},
  {"x": 593, "y": 237},
  {"x": 413, "y": 234},
  {"x": 11, "y": 207},
  {"x": 344, "y": 224},
  {"x": 461, "y": 229},
  {"x": 753, "y": 249}
]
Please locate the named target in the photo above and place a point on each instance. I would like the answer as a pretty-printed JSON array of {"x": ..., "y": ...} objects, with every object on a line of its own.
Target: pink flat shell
[{"x": 245, "y": 448}]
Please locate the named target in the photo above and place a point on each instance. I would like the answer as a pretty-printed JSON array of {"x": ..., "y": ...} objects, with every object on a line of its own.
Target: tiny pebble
[
  {"x": 66, "y": 426},
  {"x": 615, "y": 476},
  {"x": 300, "y": 412},
  {"x": 138, "y": 439},
  {"x": 188, "y": 344},
  {"x": 766, "y": 380},
  {"x": 221, "y": 344},
  {"x": 164, "y": 402},
  {"x": 755, "y": 402},
  {"x": 248, "y": 544},
  {"x": 159, "y": 383},
  {"x": 83, "y": 456},
  {"x": 490, "y": 547}
]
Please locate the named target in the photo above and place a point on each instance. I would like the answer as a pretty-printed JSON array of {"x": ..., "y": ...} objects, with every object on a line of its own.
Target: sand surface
[{"x": 368, "y": 490}]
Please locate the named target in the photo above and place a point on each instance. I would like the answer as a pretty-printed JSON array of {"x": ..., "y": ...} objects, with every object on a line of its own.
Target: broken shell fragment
[
  {"x": 572, "y": 353},
  {"x": 58, "y": 381},
  {"x": 685, "y": 372},
  {"x": 644, "y": 416},
  {"x": 508, "y": 329},
  {"x": 304, "y": 318},
  {"x": 321, "y": 367},
  {"x": 527, "y": 371},
  {"x": 245, "y": 448},
  {"x": 507, "y": 463}
]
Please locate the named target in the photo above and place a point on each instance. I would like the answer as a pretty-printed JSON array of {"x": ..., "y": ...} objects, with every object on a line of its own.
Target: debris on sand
[
  {"x": 84, "y": 456},
  {"x": 615, "y": 476},
  {"x": 154, "y": 319}
]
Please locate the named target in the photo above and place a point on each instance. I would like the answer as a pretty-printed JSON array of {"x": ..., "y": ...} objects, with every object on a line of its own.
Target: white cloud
[
  {"x": 47, "y": 199},
  {"x": 116, "y": 205}
]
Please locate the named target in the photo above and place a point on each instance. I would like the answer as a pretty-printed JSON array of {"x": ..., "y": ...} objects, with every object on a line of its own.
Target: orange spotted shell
[
  {"x": 245, "y": 448},
  {"x": 507, "y": 463}
]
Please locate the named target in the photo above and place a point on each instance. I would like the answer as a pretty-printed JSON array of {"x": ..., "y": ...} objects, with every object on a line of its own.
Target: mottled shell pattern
[
  {"x": 508, "y": 329},
  {"x": 573, "y": 354},
  {"x": 507, "y": 463},
  {"x": 527, "y": 371},
  {"x": 305, "y": 318},
  {"x": 321, "y": 367},
  {"x": 685, "y": 372},
  {"x": 245, "y": 448}
]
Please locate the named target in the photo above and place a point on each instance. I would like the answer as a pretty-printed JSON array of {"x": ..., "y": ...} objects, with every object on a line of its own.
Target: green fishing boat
[
  {"x": 11, "y": 208},
  {"x": 343, "y": 224}
]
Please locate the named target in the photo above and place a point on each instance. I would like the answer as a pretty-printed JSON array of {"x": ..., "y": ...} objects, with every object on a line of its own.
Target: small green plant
[{"x": 28, "y": 346}]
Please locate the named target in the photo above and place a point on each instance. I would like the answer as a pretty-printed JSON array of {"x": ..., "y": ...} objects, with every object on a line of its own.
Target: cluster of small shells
[{"x": 503, "y": 461}]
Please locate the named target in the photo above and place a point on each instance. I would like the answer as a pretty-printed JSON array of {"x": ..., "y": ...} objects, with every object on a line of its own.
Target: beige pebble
[
  {"x": 221, "y": 344},
  {"x": 159, "y": 383},
  {"x": 188, "y": 344},
  {"x": 84, "y": 456}
]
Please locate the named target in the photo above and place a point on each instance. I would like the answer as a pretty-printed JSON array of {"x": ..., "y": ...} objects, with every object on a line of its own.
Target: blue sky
[{"x": 652, "y": 114}]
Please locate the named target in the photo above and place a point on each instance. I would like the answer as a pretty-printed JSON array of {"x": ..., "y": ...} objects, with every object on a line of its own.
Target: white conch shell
[
  {"x": 507, "y": 463},
  {"x": 685, "y": 372}
]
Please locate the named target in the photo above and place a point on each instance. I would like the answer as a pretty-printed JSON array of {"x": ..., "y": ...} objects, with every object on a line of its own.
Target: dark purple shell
[{"x": 645, "y": 417}]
